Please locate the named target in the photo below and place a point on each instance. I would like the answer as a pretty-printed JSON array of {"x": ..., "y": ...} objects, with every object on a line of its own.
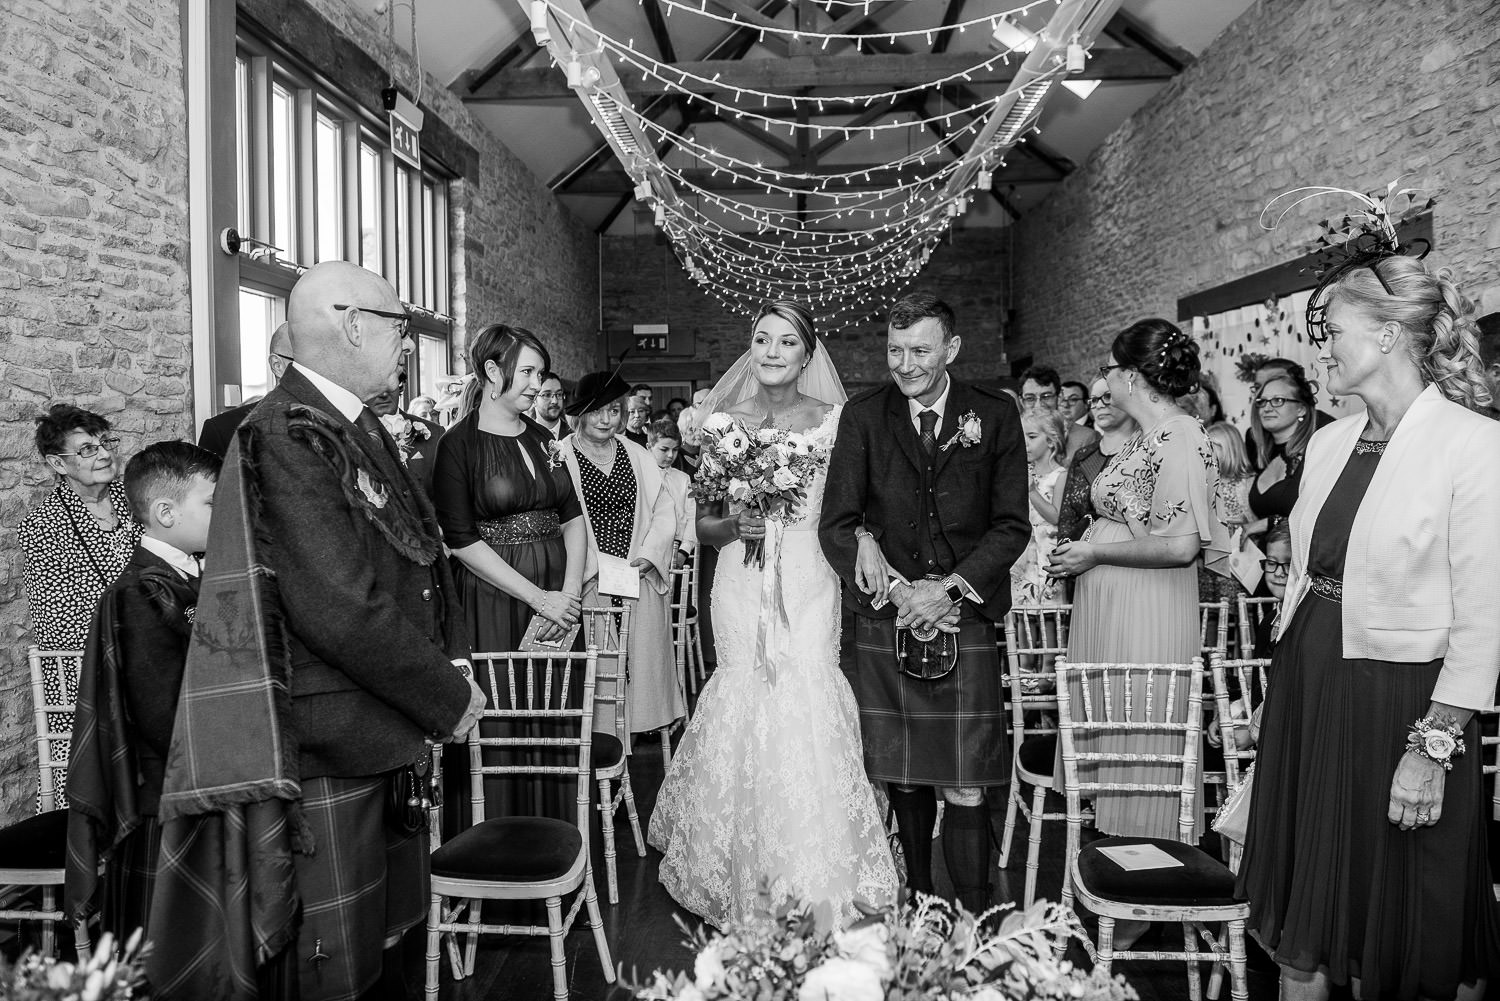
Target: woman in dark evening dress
[
  {"x": 1365, "y": 860},
  {"x": 510, "y": 516}
]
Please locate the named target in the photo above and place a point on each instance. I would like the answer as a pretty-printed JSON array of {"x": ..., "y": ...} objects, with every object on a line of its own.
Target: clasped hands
[{"x": 922, "y": 605}]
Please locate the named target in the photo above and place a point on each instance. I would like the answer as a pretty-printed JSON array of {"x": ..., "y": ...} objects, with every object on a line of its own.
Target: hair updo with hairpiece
[
  {"x": 1165, "y": 357},
  {"x": 1442, "y": 340}
]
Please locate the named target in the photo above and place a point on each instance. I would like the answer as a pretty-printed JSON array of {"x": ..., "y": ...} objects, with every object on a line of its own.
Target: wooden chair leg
[
  {"x": 1011, "y": 795},
  {"x": 1239, "y": 987},
  {"x": 1034, "y": 841},
  {"x": 635, "y": 820},
  {"x": 434, "y": 947},
  {"x": 81, "y": 943},
  {"x": 1106, "y": 944},
  {"x": 666, "y": 747},
  {"x": 49, "y": 932},
  {"x": 600, "y": 942},
  {"x": 555, "y": 935},
  {"x": 699, "y": 664},
  {"x": 471, "y": 940},
  {"x": 1194, "y": 975},
  {"x": 607, "y": 823}
]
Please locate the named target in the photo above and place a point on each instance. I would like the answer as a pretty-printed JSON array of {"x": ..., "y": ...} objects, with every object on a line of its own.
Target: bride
[{"x": 769, "y": 782}]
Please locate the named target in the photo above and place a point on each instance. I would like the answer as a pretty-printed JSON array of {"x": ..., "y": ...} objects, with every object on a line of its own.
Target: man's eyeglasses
[
  {"x": 1034, "y": 398},
  {"x": 1070, "y": 399},
  {"x": 1273, "y": 402},
  {"x": 403, "y": 321},
  {"x": 90, "y": 449},
  {"x": 1271, "y": 568},
  {"x": 552, "y": 395},
  {"x": 1100, "y": 401}
]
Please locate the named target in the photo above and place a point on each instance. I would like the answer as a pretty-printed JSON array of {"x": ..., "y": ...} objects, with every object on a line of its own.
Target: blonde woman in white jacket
[{"x": 1365, "y": 861}]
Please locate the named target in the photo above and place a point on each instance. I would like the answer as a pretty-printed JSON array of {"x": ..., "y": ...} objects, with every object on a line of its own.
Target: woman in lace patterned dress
[
  {"x": 768, "y": 786},
  {"x": 1137, "y": 593}
]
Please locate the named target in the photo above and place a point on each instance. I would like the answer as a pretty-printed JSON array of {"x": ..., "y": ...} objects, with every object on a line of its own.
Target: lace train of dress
[{"x": 769, "y": 782}]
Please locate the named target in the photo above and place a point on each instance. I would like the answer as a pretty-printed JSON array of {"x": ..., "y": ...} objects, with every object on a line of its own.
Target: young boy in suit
[{"x": 132, "y": 670}]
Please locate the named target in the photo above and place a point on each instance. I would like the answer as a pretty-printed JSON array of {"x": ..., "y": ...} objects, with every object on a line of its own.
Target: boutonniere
[
  {"x": 406, "y": 433},
  {"x": 372, "y": 491},
  {"x": 969, "y": 431},
  {"x": 554, "y": 453}
]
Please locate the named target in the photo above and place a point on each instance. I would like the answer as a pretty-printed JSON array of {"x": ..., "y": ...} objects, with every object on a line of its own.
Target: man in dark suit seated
[
  {"x": 217, "y": 430},
  {"x": 328, "y": 651}
]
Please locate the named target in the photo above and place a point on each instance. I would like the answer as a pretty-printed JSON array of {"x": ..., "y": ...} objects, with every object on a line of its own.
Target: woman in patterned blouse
[{"x": 74, "y": 544}]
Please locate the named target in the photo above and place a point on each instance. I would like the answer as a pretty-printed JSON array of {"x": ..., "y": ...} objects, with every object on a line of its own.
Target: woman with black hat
[
  {"x": 631, "y": 526},
  {"x": 510, "y": 516}
]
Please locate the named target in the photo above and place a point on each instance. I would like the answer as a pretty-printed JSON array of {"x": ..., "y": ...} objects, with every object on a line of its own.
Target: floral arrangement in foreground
[
  {"x": 105, "y": 977},
  {"x": 921, "y": 952},
  {"x": 766, "y": 470}
]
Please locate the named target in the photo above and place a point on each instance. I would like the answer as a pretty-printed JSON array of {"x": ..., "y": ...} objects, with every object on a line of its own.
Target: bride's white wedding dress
[{"x": 769, "y": 782}]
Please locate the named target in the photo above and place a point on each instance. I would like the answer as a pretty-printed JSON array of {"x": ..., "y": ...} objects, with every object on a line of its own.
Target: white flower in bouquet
[
  {"x": 718, "y": 423},
  {"x": 798, "y": 444},
  {"x": 840, "y": 979},
  {"x": 735, "y": 443},
  {"x": 866, "y": 945},
  {"x": 784, "y": 478},
  {"x": 708, "y": 968},
  {"x": 767, "y": 436}
]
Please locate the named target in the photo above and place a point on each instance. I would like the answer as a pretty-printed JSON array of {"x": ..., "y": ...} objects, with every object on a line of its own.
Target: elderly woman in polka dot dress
[
  {"x": 75, "y": 543},
  {"x": 632, "y": 517}
]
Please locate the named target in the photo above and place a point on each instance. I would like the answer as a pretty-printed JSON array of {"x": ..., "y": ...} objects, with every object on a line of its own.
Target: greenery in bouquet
[
  {"x": 766, "y": 470},
  {"x": 925, "y": 951},
  {"x": 105, "y": 977}
]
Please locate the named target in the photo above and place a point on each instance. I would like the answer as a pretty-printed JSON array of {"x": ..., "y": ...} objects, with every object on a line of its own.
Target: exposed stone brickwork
[
  {"x": 643, "y": 283},
  {"x": 93, "y": 267},
  {"x": 93, "y": 259},
  {"x": 1294, "y": 92}
]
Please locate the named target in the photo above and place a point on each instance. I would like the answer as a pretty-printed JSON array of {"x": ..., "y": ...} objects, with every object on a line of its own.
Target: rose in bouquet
[
  {"x": 766, "y": 470},
  {"x": 925, "y": 951}
]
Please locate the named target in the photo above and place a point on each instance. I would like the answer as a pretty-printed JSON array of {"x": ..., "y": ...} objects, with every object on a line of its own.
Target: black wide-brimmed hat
[{"x": 595, "y": 390}]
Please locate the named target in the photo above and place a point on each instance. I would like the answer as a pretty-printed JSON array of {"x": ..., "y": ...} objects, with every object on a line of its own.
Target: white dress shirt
[
  {"x": 344, "y": 401},
  {"x": 179, "y": 560},
  {"x": 939, "y": 406}
]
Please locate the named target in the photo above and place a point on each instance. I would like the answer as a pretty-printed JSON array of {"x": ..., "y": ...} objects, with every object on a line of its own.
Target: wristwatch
[
  {"x": 464, "y": 667},
  {"x": 954, "y": 589}
]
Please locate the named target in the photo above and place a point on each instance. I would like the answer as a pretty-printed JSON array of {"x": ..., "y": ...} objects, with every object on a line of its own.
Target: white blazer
[{"x": 1422, "y": 574}]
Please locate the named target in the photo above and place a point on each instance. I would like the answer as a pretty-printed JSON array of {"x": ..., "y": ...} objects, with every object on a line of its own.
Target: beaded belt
[
  {"x": 528, "y": 526},
  {"x": 1328, "y": 587}
]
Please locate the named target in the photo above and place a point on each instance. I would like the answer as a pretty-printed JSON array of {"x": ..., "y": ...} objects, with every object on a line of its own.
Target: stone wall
[
  {"x": 93, "y": 267},
  {"x": 643, "y": 283},
  {"x": 1295, "y": 92}
]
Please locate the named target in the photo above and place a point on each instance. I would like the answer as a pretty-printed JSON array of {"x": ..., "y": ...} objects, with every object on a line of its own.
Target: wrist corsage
[{"x": 1436, "y": 739}]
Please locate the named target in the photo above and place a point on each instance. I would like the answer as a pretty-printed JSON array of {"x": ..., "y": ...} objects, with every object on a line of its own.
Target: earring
[
  {"x": 1385, "y": 349},
  {"x": 1301, "y": 418},
  {"x": 1132, "y": 386},
  {"x": 494, "y": 395}
]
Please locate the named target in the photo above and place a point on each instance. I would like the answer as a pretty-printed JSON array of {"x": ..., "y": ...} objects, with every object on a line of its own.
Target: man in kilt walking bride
[{"x": 924, "y": 513}]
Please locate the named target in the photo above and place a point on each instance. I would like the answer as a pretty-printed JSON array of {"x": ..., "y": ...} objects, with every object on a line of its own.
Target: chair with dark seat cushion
[
  {"x": 1035, "y": 635},
  {"x": 607, "y": 628},
  {"x": 33, "y": 852},
  {"x": 1101, "y": 707},
  {"x": 521, "y": 858}
]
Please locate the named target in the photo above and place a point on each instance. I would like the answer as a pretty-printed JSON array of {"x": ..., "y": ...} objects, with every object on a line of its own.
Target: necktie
[
  {"x": 385, "y": 446},
  {"x": 929, "y": 419},
  {"x": 369, "y": 424}
]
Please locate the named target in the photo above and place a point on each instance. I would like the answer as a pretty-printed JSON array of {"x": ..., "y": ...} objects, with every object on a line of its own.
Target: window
[
  {"x": 316, "y": 181},
  {"x": 330, "y": 164}
]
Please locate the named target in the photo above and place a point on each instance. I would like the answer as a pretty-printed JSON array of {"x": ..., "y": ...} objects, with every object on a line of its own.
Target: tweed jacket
[
  {"x": 1422, "y": 573},
  {"x": 875, "y": 480},
  {"x": 371, "y": 633}
]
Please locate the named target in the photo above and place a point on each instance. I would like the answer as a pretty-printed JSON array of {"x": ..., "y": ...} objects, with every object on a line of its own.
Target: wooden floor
[{"x": 644, "y": 935}]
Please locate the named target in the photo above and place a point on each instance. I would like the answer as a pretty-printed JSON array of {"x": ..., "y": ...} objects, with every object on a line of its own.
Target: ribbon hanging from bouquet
[{"x": 772, "y": 636}]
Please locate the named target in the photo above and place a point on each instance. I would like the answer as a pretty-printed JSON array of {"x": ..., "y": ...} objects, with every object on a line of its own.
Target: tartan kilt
[
  {"x": 949, "y": 732},
  {"x": 129, "y": 876},
  {"x": 362, "y": 888}
]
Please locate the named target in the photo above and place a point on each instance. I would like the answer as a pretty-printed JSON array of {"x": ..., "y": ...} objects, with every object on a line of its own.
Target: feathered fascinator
[{"x": 1359, "y": 239}]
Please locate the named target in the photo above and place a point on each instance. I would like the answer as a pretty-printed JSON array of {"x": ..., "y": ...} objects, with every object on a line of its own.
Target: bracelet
[
  {"x": 863, "y": 533},
  {"x": 1439, "y": 741}
]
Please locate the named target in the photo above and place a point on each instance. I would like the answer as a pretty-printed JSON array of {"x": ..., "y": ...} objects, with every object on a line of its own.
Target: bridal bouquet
[
  {"x": 927, "y": 951},
  {"x": 766, "y": 470}
]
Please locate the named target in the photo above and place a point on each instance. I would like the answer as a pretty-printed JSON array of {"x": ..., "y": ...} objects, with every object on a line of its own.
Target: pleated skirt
[
  {"x": 1127, "y": 615},
  {"x": 1333, "y": 885}
]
